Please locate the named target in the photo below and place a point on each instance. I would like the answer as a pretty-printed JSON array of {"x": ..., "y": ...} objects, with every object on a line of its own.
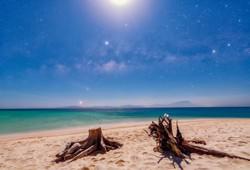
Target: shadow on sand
[{"x": 175, "y": 160}]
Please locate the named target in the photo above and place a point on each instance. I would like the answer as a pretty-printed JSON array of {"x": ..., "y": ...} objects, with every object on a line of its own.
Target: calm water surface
[{"x": 25, "y": 120}]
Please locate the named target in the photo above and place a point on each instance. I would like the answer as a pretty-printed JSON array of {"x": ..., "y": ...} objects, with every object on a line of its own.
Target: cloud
[
  {"x": 171, "y": 59},
  {"x": 247, "y": 51},
  {"x": 87, "y": 89},
  {"x": 61, "y": 69},
  {"x": 78, "y": 66},
  {"x": 174, "y": 59},
  {"x": 111, "y": 66}
]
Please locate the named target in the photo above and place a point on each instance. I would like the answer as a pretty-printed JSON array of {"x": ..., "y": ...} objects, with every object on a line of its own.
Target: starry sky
[{"x": 57, "y": 53}]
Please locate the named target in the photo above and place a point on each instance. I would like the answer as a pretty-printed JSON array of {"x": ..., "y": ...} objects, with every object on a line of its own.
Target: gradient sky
[{"x": 96, "y": 52}]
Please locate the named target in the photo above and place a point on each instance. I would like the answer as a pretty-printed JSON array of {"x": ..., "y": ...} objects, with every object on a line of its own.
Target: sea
[{"x": 29, "y": 120}]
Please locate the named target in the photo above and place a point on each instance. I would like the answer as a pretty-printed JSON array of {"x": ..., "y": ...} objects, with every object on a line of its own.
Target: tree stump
[
  {"x": 95, "y": 143},
  {"x": 166, "y": 141}
]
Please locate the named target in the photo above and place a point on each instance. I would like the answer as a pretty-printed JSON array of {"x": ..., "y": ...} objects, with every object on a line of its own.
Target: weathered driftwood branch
[
  {"x": 177, "y": 145},
  {"x": 95, "y": 143}
]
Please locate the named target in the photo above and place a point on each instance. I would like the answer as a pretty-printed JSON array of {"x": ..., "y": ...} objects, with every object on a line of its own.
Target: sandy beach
[{"x": 37, "y": 150}]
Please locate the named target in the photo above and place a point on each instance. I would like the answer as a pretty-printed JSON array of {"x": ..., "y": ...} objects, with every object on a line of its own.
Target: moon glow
[{"x": 120, "y": 3}]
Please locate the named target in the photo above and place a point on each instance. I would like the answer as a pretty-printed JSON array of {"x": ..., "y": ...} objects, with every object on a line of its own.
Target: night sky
[{"x": 130, "y": 52}]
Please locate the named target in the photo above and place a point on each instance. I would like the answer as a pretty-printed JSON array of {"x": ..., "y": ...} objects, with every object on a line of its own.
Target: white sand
[{"x": 37, "y": 150}]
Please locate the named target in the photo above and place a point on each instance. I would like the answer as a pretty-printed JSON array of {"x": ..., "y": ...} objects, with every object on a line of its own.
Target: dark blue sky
[{"x": 146, "y": 52}]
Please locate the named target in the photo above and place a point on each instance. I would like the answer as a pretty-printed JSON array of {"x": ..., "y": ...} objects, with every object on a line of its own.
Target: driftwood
[
  {"x": 95, "y": 143},
  {"x": 177, "y": 145}
]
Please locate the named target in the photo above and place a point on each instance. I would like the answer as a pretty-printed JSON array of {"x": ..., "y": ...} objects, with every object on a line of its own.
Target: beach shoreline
[
  {"x": 70, "y": 130},
  {"x": 84, "y": 129}
]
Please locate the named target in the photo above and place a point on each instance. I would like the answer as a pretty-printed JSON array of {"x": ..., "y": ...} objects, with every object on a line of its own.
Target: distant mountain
[
  {"x": 184, "y": 103},
  {"x": 131, "y": 106}
]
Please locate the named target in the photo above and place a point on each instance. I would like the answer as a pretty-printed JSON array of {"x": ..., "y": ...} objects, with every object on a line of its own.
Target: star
[
  {"x": 229, "y": 44},
  {"x": 213, "y": 51},
  {"x": 106, "y": 43},
  {"x": 41, "y": 20}
]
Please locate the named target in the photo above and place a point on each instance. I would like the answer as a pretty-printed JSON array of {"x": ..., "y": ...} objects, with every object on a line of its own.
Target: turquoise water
[{"x": 25, "y": 120}]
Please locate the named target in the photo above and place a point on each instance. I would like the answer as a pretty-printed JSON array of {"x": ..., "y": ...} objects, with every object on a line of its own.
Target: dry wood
[
  {"x": 95, "y": 143},
  {"x": 177, "y": 145}
]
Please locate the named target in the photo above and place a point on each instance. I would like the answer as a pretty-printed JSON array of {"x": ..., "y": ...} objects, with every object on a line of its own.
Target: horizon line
[{"x": 117, "y": 107}]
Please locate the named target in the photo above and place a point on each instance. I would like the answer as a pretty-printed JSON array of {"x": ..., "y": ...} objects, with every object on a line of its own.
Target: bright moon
[{"x": 120, "y": 2}]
